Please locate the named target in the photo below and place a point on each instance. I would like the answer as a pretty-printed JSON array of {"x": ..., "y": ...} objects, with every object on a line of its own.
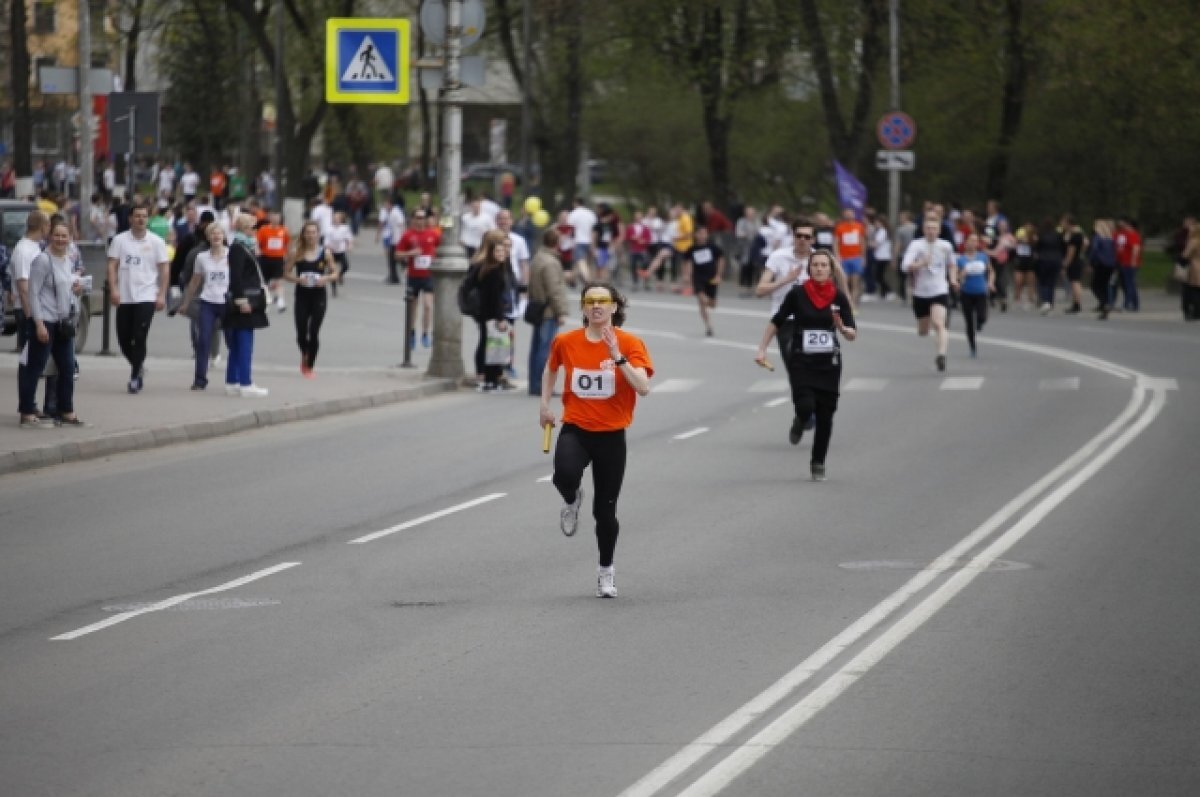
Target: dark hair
[
  {"x": 618, "y": 316},
  {"x": 207, "y": 217},
  {"x": 550, "y": 238}
]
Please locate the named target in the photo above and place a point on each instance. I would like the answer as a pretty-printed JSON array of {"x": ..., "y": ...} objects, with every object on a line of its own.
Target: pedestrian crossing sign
[{"x": 366, "y": 61}]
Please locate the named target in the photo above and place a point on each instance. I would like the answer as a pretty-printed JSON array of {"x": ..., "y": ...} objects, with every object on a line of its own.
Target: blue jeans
[
  {"x": 1129, "y": 285},
  {"x": 30, "y": 374},
  {"x": 539, "y": 353},
  {"x": 209, "y": 319},
  {"x": 240, "y": 343}
]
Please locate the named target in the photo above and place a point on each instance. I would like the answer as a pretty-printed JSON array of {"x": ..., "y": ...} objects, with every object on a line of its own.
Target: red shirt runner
[{"x": 427, "y": 241}]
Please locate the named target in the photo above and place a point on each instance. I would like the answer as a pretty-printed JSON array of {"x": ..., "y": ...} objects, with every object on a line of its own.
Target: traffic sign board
[
  {"x": 366, "y": 61},
  {"x": 895, "y": 160},
  {"x": 896, "y": 130}
]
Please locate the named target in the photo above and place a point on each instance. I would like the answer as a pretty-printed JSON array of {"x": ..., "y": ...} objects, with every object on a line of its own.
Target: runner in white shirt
[
  {"x": 189, "y": 183},
  {"x": 137, "y": 272},
  {"x": 931, "y": 261},
  {"x": 340, "y": 240},
  {"x": 322, "y": 214},
  {"x": 489, "y": 207},
  {"x": 166, "y": 181}
]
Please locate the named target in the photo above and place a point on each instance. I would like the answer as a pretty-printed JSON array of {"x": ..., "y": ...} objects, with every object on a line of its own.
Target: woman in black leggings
[
  {"x": 606, "y": 370},
  {"x": 818, "y": 308},
  {"x": 311, "y": 267}
]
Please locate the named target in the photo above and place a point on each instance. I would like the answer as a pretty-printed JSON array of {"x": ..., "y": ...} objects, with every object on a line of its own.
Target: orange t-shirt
[
  {"x": 217, "y": 183},
  {"x": 273, "y": 241},
  {"x": 851, "y": 237},
  {"x": 596, "y": 397}
]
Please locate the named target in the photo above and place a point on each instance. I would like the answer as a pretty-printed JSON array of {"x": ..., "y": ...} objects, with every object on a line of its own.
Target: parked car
[
  {"x": 13, "y": 215},
  {"x": 490, "y": 171}
]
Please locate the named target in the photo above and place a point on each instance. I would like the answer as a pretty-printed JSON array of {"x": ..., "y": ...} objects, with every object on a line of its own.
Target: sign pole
[
  {"x": 450, "y": 266},
  {"x": 894, "y": 175},
  {"x": 86, "y": 169}
]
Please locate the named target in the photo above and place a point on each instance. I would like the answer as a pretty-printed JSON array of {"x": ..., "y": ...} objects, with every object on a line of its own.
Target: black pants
[
  {"x": 1102, "y": 277},
  {"x": 491, "y": 373},
  {"x": 605, "y": 451},
  {"x": 133, "y": 327},
  {"x": 974, "y": 310},
  {"x": 309, "y": 304},
  {"x": 1191, "y": 302},
  {"x": 809, "y": 401}
]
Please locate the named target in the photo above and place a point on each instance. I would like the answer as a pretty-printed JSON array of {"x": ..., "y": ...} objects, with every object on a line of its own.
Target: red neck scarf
[{"x": 820, "y": 295}]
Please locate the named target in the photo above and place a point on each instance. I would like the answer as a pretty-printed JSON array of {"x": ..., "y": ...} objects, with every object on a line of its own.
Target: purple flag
[{"x": 851, "y": 193}]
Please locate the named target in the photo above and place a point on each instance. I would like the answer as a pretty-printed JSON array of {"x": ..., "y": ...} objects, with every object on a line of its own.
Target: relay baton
[
  {"x": 764, "y": 363},
  {"x": 546, "y": 430}
]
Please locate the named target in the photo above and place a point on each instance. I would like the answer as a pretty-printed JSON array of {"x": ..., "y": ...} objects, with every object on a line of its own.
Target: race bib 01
[
  {"x": 818, "y": 341},
  {"x": 587, "y": 384}
]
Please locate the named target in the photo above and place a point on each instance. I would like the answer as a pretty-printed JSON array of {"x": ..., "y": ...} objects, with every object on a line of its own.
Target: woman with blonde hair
[
  {"x": 1102, "y": 255},
  {"x": 489, "y": 272}
]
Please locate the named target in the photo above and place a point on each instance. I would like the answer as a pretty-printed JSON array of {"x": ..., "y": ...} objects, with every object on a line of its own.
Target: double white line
[{"x": 1147, "y": 401}]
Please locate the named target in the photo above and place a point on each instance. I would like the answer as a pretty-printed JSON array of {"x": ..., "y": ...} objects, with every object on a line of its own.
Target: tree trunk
[
  {"x": 22, "y": 119},
  {"x": 1016, "y": 80},
  {"x": 568, "y": 161},
  {"x": 717, "y": 119},
  {"x": 131, "y": 46}
]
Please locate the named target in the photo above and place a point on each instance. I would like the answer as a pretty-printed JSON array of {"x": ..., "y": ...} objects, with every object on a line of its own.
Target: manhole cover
[
  {"x": 997, "y": 566},
  {"x": 198, "y": 604}
]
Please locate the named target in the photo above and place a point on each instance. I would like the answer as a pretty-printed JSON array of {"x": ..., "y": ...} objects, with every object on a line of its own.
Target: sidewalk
[{"x": 168, "y": 412}]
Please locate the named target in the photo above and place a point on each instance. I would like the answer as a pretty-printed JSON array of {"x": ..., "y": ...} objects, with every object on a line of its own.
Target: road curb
[{"x": 142, "y": 439}]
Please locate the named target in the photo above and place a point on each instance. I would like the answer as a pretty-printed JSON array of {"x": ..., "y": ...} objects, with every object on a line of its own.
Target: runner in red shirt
[
  {"x": 1129, "y": 259},
  {"x": 216, "y": 184},
  {"x": 416, "y": 250}
]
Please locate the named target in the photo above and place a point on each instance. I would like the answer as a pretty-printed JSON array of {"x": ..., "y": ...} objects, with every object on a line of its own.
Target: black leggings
[
  {"x": 133, "y": 327},
  {"x": 808, "y": 401},
  {"x": 310, "y": 313},
  {"x": 606, "y": 452},
  {"x": 1101, "y": 281},
  {"x": 975, "y": 310}
]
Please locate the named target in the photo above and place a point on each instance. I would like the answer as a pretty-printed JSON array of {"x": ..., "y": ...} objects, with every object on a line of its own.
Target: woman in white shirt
[
  {"x": 881, "y": 246},
  {"x": 210, "y": 277}
]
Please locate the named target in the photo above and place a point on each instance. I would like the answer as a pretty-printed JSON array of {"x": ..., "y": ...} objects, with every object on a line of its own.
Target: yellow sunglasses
[{"x": 592, "y": 302}]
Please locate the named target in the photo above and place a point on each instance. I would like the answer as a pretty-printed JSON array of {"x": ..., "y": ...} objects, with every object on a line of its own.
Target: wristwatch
[{"x": 622, "y": 360}]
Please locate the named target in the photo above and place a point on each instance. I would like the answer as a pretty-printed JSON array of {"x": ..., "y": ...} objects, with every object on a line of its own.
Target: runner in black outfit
[
  {"x": 311, "y": 267},
  {"x": 820, "y": 311}
]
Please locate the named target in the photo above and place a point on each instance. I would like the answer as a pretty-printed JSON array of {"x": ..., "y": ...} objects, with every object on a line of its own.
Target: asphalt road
[{"x": 993, "y": 593}]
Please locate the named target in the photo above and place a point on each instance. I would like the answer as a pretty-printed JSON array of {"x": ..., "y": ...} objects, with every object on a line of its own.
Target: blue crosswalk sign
[{"x": 366, "y": 61}]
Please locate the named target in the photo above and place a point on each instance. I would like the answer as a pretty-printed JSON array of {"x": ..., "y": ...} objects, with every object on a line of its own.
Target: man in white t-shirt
[
  {"x": 137, "y": 272},
  {"x": 583, "y": 222},
  {"x": 166, "y": 181},
  {"x": 26, "y": 250},
  {"x": 488, "y": 206},
  {"x": 390, "y": 231},
  {"x": 322, "y": 214},
  {"x": 931, "y": 262},
  {"x": 475, "y": 224},
  {"x": 385, "y": 182},
  {"x": 189, "y": 183}
]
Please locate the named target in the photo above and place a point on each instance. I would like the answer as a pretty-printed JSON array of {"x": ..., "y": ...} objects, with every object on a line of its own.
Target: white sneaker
[
  {"x": 254, "y": 391},
  {"x": 867, "y": 298},
  {"x": 233, "y": 390},
  {"x": 216, "y": 360},
  {"x": 568, "y": 518},
  {"x": 1046, "y": 308},
  {"x": 605, "y": 588}
]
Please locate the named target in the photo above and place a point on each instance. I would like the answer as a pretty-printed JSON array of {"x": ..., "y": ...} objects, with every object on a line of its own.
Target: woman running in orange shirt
[{"x": 606, "y": 370}]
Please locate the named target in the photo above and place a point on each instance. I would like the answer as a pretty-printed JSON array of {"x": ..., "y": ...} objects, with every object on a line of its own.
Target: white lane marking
[
  {"x": 723, "y": 731},
  {"x": 769, "y": 386},
  {"x": 962, "y": 383},
  {"x": 699, "y": 430},
  {"x": 1060, "y": 383},
  {"x": 545, "y": 479},
  {"x": 749, "y": 753},
  {"x": 1149, "y": 383},
  {"x": 775, "y": 402},
  {"x": 864, "y": 385},
  {"x": 655, "y": 333},
  {"x": 426, "y": 518},
  {"x": 677, "y": 386},
  {"x": 169, "y": 602}
]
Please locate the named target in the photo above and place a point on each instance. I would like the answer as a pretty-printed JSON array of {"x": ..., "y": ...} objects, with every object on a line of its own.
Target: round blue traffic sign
[{"x": 896, "y": 130}]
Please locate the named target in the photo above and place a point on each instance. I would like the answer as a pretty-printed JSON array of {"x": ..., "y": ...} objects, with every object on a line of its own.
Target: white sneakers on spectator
[
  {"x": 254, "y": 391},
  {"x": 233, "y": 390}
]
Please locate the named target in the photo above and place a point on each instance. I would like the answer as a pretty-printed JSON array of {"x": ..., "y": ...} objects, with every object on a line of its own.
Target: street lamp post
[
  {"x": 450, "y": 266},
  {"x": 86, "y": 169}
]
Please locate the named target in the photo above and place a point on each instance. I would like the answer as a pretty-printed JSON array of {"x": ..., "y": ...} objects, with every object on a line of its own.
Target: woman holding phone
[{"x": 819, "y": 311}]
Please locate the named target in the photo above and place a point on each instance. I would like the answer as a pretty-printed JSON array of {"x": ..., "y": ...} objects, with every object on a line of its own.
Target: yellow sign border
[{"x": 334, "y": 26}]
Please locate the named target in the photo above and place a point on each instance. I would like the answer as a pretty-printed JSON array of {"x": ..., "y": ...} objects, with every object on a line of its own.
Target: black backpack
[{"x": 470, "y": 300}]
